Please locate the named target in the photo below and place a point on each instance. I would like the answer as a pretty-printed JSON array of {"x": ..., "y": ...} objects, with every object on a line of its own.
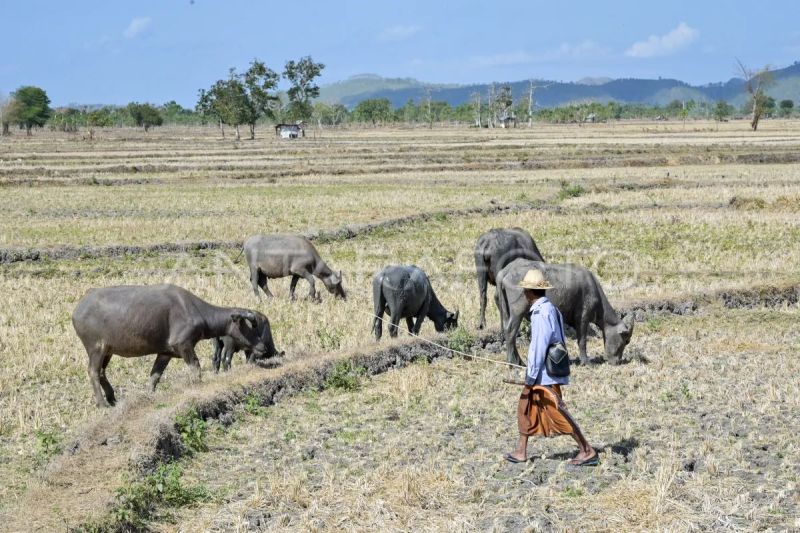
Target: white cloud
[
  {"x": 578, "y": 51},
  {"x": 662, "y": 45},
  {"x": 137, "y": 26},
  {"x": 398, "y": 33},
  {"x": 565, "y": 51}
]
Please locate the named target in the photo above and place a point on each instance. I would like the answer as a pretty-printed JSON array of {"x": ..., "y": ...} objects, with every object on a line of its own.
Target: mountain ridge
[{"x": 555, "y": 93}]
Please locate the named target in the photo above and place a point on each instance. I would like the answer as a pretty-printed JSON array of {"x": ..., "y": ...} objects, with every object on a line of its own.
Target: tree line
[
  {"x": 29, "y": 107},
  {"x": 252, "y": 97}
]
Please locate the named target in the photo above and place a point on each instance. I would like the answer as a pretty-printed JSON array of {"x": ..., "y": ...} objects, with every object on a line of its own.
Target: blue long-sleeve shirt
[{"x": 547, "y": 327}]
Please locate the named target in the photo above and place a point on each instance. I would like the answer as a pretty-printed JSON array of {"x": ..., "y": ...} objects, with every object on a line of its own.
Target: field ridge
[{"x": 342, "y": 233}]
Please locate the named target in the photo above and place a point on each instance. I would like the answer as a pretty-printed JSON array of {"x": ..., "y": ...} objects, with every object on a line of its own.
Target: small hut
[
  {"x": 508, "y": 121},
  {"x": 290, "y": 131}
]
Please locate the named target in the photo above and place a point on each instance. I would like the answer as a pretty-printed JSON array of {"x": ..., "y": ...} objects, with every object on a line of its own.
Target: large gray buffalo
[
  {"x": 579, "y": 297},
  {"x": 280, "y": 256},
  {"x": 495, "y": 249},
  {"x": 406, "y": 292},
  {"x": 132, "y": 321}
]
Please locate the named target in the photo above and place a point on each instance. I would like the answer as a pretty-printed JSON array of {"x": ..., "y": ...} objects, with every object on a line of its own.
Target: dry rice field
[{"x": 696, "y": 431}]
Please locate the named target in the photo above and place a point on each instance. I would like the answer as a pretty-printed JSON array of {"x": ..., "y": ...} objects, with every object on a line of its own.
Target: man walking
[{"x": 541, "y": 410}]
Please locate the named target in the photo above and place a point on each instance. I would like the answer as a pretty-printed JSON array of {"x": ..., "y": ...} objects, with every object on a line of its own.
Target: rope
[{"x": 471, "y": 356}]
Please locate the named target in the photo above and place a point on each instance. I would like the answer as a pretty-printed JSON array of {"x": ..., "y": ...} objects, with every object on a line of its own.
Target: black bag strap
[{"x": 561, "y": 325}]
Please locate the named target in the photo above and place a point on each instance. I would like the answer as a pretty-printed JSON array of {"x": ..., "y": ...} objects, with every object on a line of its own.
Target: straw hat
[{"x": 534, "y": 279}]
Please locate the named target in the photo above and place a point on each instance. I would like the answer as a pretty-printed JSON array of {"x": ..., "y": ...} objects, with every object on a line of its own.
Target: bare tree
[
  {"x": 477, "y": 98},
  {"x": 756, "y": 83},
  {"x": 531, "y": 102},
  {"x": 429, "y": 111},
  {"x": 491, "y": 107}
]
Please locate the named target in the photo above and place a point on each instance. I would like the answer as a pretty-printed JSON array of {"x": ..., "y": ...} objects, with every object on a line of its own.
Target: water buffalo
[
  {"x": 406, "y": 292},
  {"x": 225, "y": 347},
  {"x": 579, "y": 297},
  {"x": 279, "y": 256},
  {"x": 495, "y": 249},
  {"x": 132, "y": 321}
]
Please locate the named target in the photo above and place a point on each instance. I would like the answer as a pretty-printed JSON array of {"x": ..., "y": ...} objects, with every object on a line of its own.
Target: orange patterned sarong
[{"x": 542, "y": 412}]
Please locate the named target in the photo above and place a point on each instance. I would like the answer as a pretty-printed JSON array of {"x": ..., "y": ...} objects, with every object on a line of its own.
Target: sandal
[
  {"x": 594, "y": 460},
  {"x": 511, "y": 459}
]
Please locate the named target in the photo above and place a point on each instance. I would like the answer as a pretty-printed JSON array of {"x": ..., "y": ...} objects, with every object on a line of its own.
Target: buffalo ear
[
  {"x": 628, "y": 321},
  {"x": 244, "y": 315}
]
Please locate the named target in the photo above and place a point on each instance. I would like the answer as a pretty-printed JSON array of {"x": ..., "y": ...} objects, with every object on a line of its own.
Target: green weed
[
  {"x": 252, "y": 404},
  {"x": 460, "y": 339},
  {"x": 569, "y": 190},
  {"x": 136, "y": 501},
  {"x": 193, "y": 430},
  {"x": 345, "y": 376},
  {"x": 48, "y": 445}
]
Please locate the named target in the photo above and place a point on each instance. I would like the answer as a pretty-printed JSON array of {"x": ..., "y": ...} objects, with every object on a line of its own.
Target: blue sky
[{"x": 116, "y": 51}]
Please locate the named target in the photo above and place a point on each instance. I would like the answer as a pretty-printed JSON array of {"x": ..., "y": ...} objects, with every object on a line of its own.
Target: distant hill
[
  {"x": 363, "y": 86},
  {"x": 625, "y": 90}
]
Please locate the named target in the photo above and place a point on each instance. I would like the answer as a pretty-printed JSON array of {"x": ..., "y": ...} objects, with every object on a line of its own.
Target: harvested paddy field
[{"x": 696, "y": 430}]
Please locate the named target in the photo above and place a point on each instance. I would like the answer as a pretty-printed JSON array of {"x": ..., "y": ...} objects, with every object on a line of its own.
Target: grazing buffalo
[
  {"x": 495, "y": 249},
  {"x": 225, "y": 347},
  {"x": 579, "y": 297},
  {"x": 132, "y": 321},
  {"x": 406, "y": 292},
  {"x": 279, "y": 256}
]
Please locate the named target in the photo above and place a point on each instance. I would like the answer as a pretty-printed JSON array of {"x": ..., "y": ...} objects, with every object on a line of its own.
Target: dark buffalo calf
[{"x": 406, "y": 292}]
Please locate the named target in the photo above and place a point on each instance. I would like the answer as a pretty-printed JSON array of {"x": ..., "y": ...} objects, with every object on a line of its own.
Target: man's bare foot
[{"x": 585, "y": 458}]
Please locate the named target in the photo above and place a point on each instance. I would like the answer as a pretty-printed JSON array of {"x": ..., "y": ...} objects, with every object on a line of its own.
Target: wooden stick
[{"x": 514, "y": 382}]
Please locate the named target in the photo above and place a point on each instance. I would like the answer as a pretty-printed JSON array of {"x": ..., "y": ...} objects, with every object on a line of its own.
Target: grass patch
[
  {"x": 193, "y": 430},
  {"x": 746, "y": 203},
  {"x": 345, "y": 376},
  {"x": 48, "y": 445},
  {"x": 460, "y": 339},
  {"x": 570, "y": 190},
  {"x": 138, "y": 501},
  {"x": 252, "y": 405}
]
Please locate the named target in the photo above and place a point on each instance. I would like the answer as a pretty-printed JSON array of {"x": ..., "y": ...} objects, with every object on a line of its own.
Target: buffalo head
[
  {"x": 251, "y": 330},
  {"x": 334, "y": 285},
  {"x": 617, "y": 338},
  {"x": 450, "y": 321}
]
